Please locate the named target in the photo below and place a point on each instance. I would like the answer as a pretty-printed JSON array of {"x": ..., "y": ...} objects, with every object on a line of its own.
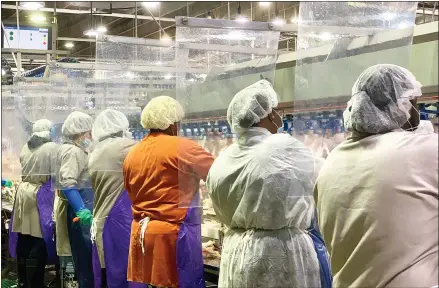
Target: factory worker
[
  {"x": 162, "y": 174},
  {"x": 261, "y": 189},
  {"x": 75, "y": 196},
  {"x": 34, "y": 246},
  {"x": 112, "y": 214},
  {"x": 377, "y": 192}
]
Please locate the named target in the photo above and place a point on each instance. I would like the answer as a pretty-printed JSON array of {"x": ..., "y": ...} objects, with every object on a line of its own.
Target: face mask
[
  {"x": 408, "y": 121},
  {"x": 85, "y": 144},
  {"x": 127, "y": 134},
  {"x": 280, "y": 128}
]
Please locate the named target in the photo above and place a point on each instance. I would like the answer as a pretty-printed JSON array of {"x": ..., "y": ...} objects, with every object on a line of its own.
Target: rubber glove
[
  {"x": 6, "y": 183},
  {"x": 74, "y": 198},
  {"x": 84, "y": 217}
]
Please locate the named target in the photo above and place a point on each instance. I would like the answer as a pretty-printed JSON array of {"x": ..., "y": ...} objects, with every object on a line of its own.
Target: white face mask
[
  {"x": 86, "y": 144},
  {"x": 127, "y": 134},
  {"x": 280, "y": 129}
]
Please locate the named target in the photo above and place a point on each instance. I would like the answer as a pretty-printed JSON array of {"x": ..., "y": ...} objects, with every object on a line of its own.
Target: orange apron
[{"x": 155, "y": 181}]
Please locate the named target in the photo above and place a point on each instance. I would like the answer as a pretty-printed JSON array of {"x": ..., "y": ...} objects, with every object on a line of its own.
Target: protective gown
[
  {"x": 377, "y": 199},
  {"x": 112, "y": 214},
  {"x": 33, "y": 207},
  {"x": 261, "y": 188},
  {"x": 74, "y": 238}
]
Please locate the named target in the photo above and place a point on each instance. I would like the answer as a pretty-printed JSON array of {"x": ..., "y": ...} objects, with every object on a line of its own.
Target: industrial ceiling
[{"x": 145, "y": 20}]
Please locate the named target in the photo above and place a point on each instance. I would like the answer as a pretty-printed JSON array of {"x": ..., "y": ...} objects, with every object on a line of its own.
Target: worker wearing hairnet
[
  {"x": 76, "y": 196},
  {"x": 112, "y": 214},
  {"x": 261, "y": 188},
  {"x": 34, "y": 246},
  {"x": 165, "y": 247},
  {"x": 377, "y": 192}
]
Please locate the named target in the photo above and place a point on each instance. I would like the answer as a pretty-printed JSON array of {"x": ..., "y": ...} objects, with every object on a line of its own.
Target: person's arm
[
  {"x": 194, "y": 159},
  {"x": 70, "y": 171}
]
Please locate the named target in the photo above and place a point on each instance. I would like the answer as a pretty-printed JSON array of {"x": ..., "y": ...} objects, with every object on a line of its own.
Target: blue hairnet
[{"x": 380, "y": 99}]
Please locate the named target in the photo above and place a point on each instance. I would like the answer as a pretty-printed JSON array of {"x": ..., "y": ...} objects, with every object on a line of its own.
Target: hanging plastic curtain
[{"x": 337, "y": 41}]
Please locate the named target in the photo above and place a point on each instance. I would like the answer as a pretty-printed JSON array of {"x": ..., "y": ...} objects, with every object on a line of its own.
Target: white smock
[
  {"x": 261, "y": 188},
  {"x": 36, "y": 170},
  {"x": 105, "y": 166},
  {"x": 72, "y": 171},
  {"x": 377, "y": 199}
]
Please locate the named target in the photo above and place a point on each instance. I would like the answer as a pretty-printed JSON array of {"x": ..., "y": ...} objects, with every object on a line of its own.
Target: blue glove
[{"x": 74, "y": 198}]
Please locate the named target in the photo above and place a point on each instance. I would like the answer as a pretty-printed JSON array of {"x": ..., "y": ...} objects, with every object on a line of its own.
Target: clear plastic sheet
[
  {"x": 337, "y": 41},
  {"x": 213, "y": 64}
]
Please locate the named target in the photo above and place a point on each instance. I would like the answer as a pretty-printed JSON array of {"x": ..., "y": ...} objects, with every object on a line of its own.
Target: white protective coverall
[{"x": 261, "y": 188}]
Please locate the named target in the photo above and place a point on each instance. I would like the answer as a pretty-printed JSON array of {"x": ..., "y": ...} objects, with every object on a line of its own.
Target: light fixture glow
[
  {"x": 151, "y": 4},
  {"x": 38, "y": 18},
  {"x": 101, "y": 29},
  {"x": 32, "y": 5},
  {"x": 241, "y": 19},
  {"x": 234, "y": 35},
  {"x": 168, "y": 76},
  {"x": 278, "y": 22},
  {"x": 325, "y": 36},
  {"x": 388, "y": 16},
  {"x": 264, "y": 4},
  {"x": 191, "y": 80},
  {"x": 91, "y": 33},
  {"x": 403, "y": 25},
  {"x": 3, "y": 72},
  {"x": 159, "y": 63},
  {"x": 69, "y": 45},
  {"x": 130, "y": 75},
  {"x": 294, "y": 20},
  {"x": 166, "y": 38}
]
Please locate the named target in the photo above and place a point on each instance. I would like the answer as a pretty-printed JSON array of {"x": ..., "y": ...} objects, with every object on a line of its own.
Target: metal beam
[
  {"x": 88, "y": 11},
  {"x": 34, "y": 51},
  {"x": 76, "y": 39}
]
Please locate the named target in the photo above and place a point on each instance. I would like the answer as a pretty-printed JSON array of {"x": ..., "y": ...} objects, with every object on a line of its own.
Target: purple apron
[
  {"x": 116, "y": 240},
  {"x": 45, "y": 199},
  {"x": 190, "y": 265}
]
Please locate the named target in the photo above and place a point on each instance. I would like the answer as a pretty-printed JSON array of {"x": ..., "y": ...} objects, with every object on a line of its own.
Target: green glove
[{"x": 84, "y": 216}]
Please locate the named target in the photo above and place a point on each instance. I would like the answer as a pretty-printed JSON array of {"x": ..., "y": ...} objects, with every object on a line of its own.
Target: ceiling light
[
  {"x": 69, "y": 45},
  {"x": 101, "y": 29},
  {"x": 325, "y": 36},
  {"x": 38, "y": 18},
  {"x": 294, "y": 20},
  {"x": 241, "y": 19},
  {"x": 191, "y": 80},
  {"x": 159, "y": 63},
  {"x": 264, "y": 4},
  {"x": 91, "y": 33},
  {"x": 209, "y": 15},
  {"x": 278, "y": 22},
  {"x": 151, "y": 4},
  {"x": 168, "y": 76},
  {"x": 3, "y": 72},
  {"x": 32, "y": 5}
]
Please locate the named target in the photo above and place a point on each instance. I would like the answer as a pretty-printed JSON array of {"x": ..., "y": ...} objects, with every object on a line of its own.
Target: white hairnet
[
  {"x": 161, "y": 112},
  {"x": 250, "y": 105},
  {"x": 77, "y": 123},
  {"x": 381, "y": 99},
  {"x": 107, "y": 123},
  {"x": 41, "y": 128}
]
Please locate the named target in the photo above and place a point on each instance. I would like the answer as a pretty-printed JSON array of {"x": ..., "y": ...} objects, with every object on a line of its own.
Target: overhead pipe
[{"x": 72, "y": 11}]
